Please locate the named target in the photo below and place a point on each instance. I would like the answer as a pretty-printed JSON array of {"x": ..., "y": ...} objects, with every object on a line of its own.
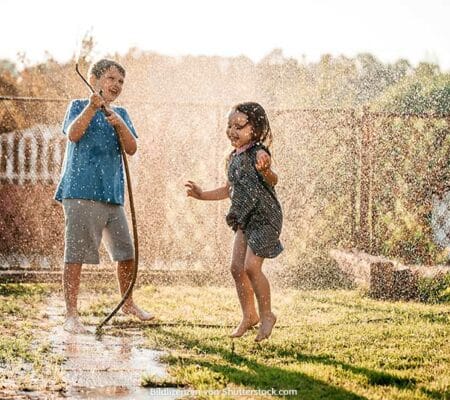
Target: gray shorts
[{"x": 87, "y": 222}]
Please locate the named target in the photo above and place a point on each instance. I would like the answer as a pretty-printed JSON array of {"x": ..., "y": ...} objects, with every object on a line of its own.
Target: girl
[{"x": 255, "y": 213}]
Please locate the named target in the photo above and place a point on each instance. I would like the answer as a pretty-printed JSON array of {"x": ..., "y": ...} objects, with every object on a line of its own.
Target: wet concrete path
[{"x": 106, "y": 368}]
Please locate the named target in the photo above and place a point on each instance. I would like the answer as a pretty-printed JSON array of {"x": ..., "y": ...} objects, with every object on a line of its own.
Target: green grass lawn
[
  {"x": 26, "y": 360},
  {"x": 328, "y": 344}
]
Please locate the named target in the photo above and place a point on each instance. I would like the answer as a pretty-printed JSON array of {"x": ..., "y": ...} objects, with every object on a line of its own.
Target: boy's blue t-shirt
[{"x": 93, "y": 166}]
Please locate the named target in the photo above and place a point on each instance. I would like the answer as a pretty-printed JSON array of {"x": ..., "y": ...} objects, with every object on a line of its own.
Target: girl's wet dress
[{"x": 255, "y": 208}]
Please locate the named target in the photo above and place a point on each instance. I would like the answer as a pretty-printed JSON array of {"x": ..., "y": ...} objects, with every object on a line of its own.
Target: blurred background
[{"x": 358, "y": 96}]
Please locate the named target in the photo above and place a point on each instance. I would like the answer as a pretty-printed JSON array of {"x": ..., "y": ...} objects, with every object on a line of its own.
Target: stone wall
[{"x": 384, "y": 278}]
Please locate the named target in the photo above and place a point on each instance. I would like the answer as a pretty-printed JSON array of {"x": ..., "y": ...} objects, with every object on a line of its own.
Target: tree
[{"x": 426, "y": 90}]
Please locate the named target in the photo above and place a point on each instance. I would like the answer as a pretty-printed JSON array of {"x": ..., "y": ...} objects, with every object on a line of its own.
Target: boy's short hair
[{"x": 100, "y": 67}]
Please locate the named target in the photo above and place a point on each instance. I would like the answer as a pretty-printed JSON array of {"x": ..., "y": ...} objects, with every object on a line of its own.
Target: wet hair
[
  {"x": 257, "y": 118},
  {"x": 98, "y": 68}
]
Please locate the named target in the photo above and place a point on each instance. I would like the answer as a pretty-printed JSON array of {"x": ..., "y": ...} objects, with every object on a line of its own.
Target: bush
[
  {"x": 436, "y": 289},
  {"x": 406, "y": 236}
]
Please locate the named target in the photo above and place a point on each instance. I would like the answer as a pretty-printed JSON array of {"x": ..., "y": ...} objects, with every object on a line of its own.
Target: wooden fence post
[
  {"x": 365, "y": 183},
  {"x": 353, "y": 146}
]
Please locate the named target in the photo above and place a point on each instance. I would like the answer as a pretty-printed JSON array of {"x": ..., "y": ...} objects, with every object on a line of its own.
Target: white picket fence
[{"x": 32, "y": 155}]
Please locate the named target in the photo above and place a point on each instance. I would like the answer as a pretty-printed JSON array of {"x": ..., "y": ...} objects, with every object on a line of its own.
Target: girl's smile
[{"x": 239, "y": 130}]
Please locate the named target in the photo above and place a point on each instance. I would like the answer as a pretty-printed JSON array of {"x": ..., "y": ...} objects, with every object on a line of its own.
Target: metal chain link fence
[{"x": 348, "y": 178}]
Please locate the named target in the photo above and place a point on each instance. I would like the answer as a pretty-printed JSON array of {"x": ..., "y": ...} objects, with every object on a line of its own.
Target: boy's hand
[
  {"x": 112, "y": 117},
  {"x": 262, "y": 161},
  {"x": 96, "y": 101},
  {"x": 193, "y": 190}
]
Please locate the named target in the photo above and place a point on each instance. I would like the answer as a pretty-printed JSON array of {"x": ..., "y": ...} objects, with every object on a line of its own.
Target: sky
[{"x": 416, "y": 30}]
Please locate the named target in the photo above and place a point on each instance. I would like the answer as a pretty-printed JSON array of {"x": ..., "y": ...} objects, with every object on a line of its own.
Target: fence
[
  {"x": 405, "y": 165},
  {"x": 32, "y": 156},
  {"x": 333, "y": 165}
]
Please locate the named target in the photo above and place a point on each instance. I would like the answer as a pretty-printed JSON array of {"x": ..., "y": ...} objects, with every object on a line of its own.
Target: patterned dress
[{"x": 255, "y": 208}]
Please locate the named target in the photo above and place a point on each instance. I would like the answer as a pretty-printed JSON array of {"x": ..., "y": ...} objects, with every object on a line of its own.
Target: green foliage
[
  {"x": 435, "y": 289},
  {"x": 276, "y": 81},
  {"x": 333, "y": 82},
  {"x": 410, "y": 164},
  {"x": 425, "y": 91},
  {"x": 404, "y": 235}
]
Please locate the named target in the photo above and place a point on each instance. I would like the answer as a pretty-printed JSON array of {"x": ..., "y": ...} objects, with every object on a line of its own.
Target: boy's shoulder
[
  {"x": 75, "y": 103},
  {"x": 119, "y": 109},
  {"x": 122, "y": 111},
  {"x": 80, "y": 101}
]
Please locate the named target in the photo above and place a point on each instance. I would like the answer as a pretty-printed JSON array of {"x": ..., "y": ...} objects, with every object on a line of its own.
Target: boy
[{"x": 91, "y": 188}]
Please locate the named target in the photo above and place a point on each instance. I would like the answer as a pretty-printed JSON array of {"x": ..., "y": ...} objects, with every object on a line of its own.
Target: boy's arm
[
  {"x": 263, "y": 162},
  {"x": 126, "y": 137},
  {"x": 78, "y": 127},
  {"x": 220, "y": 193}
]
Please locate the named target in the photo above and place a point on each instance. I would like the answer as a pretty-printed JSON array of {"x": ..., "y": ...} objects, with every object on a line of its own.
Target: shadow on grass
[
  {"x": 400, "y": 315},
  {"x": 241, "y": 370},
  {"x": 434, "y": 394},
  {"x": 374, "y": 378}
]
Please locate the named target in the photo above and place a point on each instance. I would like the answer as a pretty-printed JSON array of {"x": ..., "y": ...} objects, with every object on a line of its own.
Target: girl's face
[
  {"x": 110, "y": 84},
  {"x": 239, "y": 129}
]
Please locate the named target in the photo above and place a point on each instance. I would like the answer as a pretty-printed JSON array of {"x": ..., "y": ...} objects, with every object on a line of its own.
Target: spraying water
[{"x": 179, "y": 107}]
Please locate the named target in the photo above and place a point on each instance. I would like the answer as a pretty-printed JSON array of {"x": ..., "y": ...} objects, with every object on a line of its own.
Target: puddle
[{"x": 107, "y": 368}]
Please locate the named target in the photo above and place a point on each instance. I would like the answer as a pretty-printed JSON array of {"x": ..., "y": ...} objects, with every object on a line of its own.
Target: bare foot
[
  {"x": 266, "y": 327},
  {"x": 74, "y": 325},
  {"x": 137, "y": 312},
  {"x": 244, "y": 326}
]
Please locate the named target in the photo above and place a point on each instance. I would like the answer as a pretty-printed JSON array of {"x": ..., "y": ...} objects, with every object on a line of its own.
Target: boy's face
[{"x": 110, "y": 84}]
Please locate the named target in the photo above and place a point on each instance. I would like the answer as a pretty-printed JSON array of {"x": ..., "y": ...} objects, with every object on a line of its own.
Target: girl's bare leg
[
  {"x": 124, "y": 276},
  {"x": 243, "y": 286},
  {"x": 71, "y": 286},
  {"x": 260, "y": 284}
]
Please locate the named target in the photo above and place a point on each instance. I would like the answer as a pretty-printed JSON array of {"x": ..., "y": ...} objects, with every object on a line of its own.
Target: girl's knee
[
  {"x": 251, "y": 269},
  {"x": 237, "y": 270}
]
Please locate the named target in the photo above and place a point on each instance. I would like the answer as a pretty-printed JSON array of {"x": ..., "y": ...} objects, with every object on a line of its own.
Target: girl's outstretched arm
[
  {"x": 195, "y": 191},
  {"x": 263, "y": 162}
]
